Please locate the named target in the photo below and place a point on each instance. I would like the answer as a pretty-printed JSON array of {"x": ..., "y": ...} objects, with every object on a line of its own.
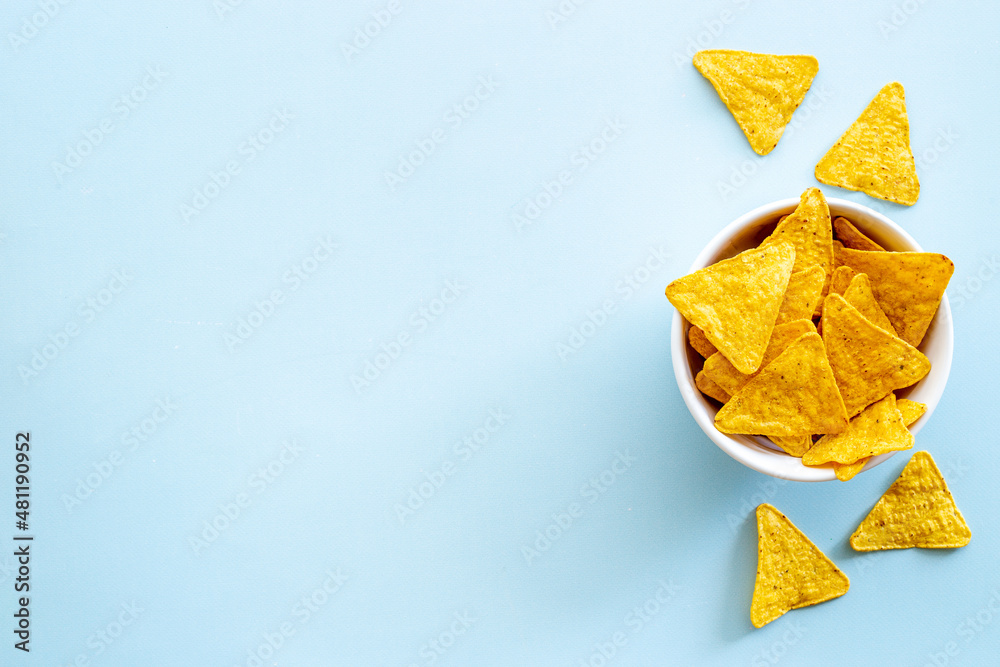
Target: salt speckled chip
[
  {"x": 874, "y": 154},
  {"x": 761, "y": 90},
  {"x": 792, "y": 572},
  {"x": 918, "y": 510},
  {"x": 735, "y": 301}
]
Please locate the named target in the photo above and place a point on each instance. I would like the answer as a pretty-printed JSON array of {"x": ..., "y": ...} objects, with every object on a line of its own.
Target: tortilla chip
[
  {"x": 849, "y": 235},
  {"x": 867, "y": 361},
  {"x": 803, "y": 295},
  {"x": 796, "y": 394},
  {"x": 796, "y": 445},
  {"x": 700, "y": 343},
  {"x": 723, "y": 373},
  {"x": 859, "y": 294},
  {"x": 876, "y": 430},
  {"x": 918, "y": 510},
  {"x": 709, "y": 388},
  {"x": 761, "y": 91},
  {"x": 735, "y": 301},
  {"x": 874, "y": 155},
  {"x": 911, "y": 411},
  {"x": 808, "y": 228},
  {"x": 907, "y": 285},
  {"x": 841, "y": 280},
  {"x": 791, "y": 571}
]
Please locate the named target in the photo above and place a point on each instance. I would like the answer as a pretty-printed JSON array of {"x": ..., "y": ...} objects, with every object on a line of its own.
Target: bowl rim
[{"x": 751, "y": 451}]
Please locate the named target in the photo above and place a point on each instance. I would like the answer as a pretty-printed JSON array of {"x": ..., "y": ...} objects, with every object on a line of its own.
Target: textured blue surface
[{"x": 230, "y": 150}]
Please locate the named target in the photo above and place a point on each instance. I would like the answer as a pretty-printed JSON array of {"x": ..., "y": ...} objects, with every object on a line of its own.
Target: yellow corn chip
[
  {"x": 911, "y": 412},
  {"x": 796, "y": 394},
  {"x": 849, "y": 235},
  {"x": 867, "y": 361},
  {"x": 841, "y": 280},
  {"x": 874, "y": 155},
  {"x": 796, "y": 445},
  {"x": 736, "y": 301},
  {"x": 700, "y": 343},
  {"x": 791, "y": 571},
  {"x": 709, "y": 388},
  {"x": 723, "y": 373},
  {"x": 803, "y": 296},
  {"x": 876, "y": 430},
  {"x": 916, "y": 511},
  {"x": 761, "y": 91},
  {"x": 907, "y": 285},
  {"x": 859, "y": 294},
  {"x": 808, "y": 228}
]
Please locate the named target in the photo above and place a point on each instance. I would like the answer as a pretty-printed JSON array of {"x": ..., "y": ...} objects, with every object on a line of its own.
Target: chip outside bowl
[{"x": 757, "y": 452}]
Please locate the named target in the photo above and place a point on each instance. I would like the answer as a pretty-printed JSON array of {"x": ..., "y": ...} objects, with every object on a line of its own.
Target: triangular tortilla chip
[
  {"x": 859, "y": 294},
  {"x": 849, "y": 235},
  {"x": 709, "y": 388},
  {"x": 762, "y": 91},
  {"x": 803, "y": 296},
  {"x": 907, "y": 285},
  {"x": 724, "y": 374},
  {"x": 810, "y": 231},
  {"x": 791, "y": 571},
  {"x": 916, "y": 511},
  {"x": 796, "y": 394},
  {"x": 868, "y": 362},
  {"x": 874, "y": 155},
  {"x": 876, "y": 430},
  {"x": 841, "y": 280},
  {"x": 911, "y": 411},
  {"x": 735, "y": 301},
  {"x": 700, "y": 343},
  {"x": 796, "y": 445}
]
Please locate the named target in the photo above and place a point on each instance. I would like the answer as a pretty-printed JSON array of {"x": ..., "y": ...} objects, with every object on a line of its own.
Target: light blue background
[{"x": 674, "y": 515}]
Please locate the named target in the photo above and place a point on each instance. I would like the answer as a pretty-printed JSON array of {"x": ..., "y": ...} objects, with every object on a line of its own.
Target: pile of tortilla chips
[{"x": 808, "y": 337}]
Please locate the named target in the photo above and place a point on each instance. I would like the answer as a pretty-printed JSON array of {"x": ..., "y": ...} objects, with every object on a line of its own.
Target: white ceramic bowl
[{"x": 748, "y": 231}]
